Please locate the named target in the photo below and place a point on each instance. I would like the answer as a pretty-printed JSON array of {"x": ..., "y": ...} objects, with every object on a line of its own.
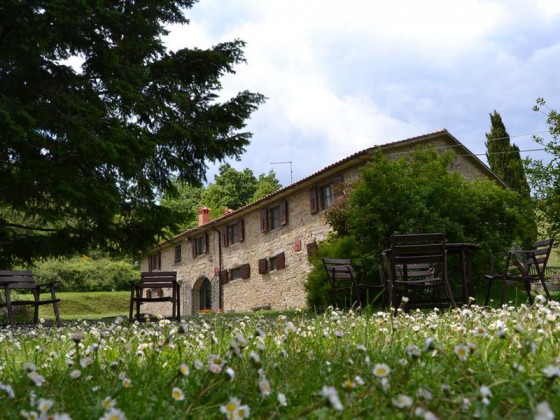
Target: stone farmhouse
[{"x": 256, "y": 257}]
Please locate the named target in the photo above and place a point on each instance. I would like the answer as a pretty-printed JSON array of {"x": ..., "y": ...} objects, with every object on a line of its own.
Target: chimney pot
[{"x": 203, "y": 216}]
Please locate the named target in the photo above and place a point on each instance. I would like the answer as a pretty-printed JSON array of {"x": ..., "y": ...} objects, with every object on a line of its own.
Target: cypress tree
[{"x": 504, "y": 158}]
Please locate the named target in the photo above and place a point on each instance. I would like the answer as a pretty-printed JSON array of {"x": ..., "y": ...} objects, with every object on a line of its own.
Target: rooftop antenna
[{"x": 291, "y": 171}]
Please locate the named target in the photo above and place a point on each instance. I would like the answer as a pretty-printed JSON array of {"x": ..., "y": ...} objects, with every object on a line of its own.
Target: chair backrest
[
  {"x": 540, "y": 254},
  {"x": 17, "y": 279},
  {"x": 339, "y": 269},
  {"x": 159, "y": 278},
  {"x": 417, "y": 255}
]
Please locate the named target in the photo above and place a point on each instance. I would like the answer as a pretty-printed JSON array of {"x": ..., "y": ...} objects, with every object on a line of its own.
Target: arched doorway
[
  {"x": 205, "y": 295},
  {"x": 202, "y": 295}
]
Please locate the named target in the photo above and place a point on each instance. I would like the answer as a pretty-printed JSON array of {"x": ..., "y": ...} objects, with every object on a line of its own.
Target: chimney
[{"x": 203, "y": 216}]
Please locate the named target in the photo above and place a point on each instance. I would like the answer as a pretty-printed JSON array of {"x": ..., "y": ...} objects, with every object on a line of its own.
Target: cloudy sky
[{"x": 341, "y": 76}]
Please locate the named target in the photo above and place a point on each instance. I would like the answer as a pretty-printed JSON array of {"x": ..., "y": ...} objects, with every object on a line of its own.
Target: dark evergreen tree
[
  {"x": 86, "y": 152},
  {"x": 504, "y": 158}
]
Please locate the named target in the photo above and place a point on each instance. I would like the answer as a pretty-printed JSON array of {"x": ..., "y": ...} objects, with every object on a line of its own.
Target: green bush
[
  {"x": 82, "y": 274},
  {"x": 418, "y": 194},
  {"x": 317, "y": 285}
]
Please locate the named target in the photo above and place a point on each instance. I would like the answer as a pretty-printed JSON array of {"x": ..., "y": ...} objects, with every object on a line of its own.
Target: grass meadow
[{"x": 464, "y": 363}]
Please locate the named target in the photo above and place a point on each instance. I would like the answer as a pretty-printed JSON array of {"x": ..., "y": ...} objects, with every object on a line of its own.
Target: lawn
[
  {"x": 92, "y": 305},
  {"x": 465, "y": 363}
]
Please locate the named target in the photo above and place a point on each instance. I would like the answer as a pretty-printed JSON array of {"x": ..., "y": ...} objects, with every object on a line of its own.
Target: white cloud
[{"x": 342, "y": 76}]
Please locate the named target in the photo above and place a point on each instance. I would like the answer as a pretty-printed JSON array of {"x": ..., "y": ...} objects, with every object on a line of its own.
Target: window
[
  {"x": 274, "y": 217},
  {"x": 233, "y": 233},
  {"x": 235, "y": 273},
  {"x": 278, "y": 262},
  {"x": 272, "y": 263},
  {"x": 323, "y": 197},
  {"x": 200, "y": 245},
  {"x": 241, "y": 272},
  {"x": 177, "y": 253},
  {"x": 154, "y": 261},
  {"x": 327, "y": 196}
]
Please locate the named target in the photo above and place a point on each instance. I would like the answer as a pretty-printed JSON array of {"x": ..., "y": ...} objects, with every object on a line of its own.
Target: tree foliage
[
  {"x": 545, "y": 176},
  {"x": 418, "y": 194},
  {"x": 85, "y": 152},
  {"x": 231, "y": 189},
  {"x": 504, "y": 158}
]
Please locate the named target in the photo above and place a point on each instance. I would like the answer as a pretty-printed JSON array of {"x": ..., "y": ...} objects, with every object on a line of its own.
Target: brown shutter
[
  {"x": 314, "y": 200},
  {"x": 312, "y": 248},
  {"x": 283, "y": 213},
  {"x": 281, "y": 261},
  {"x": 224, "y": 276},
  {"x": 264, "y": 221},
  {"x": 240, "y": 229},
  {"x": 206, "y": 239},
  {"x": 225, "y": 240},
  {"x": 194, "y": 244},
  {"x": 245, "y": 271},
  {"x": 263, "y": 266}
]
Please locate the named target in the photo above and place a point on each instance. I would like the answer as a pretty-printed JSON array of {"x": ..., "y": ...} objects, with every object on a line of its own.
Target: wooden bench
[
  {"x": 24, "y": 281},
  {"x": 151, "y": 288}
]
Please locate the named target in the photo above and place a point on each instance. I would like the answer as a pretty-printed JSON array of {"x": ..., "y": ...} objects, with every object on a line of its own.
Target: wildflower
[
  {"x": 29, "y": 367},
  {"x": 108, "y": 403},
  {"x": 402, "y": 401},
  {"x": 359, "y": 380},
  {"x": 485, "y": 393},
  {"x": 113, "y": 414},
  {"x": 412, "y": 351},
  {"x": 75, "y": 374},
  {"x": 36, "y": 378},
  {"x": 424, "y": 393},
  {"x": 330, "y": 393},
  {"x": 501, "y": 332},
  {"x": 231, "y": 373},
  {"x": 177, "y": 394},
  {"x": 429, "y": 344},
  {"x": 348, "y": 385},
  {"x": 77, "y": 337},
  {"x": 242, "y": 342},
  {"x": 86, "y": 361},
  {"x": 381, "y": 370},
  {"x": 426, "y": 415},
  {"x": 290, "y": 328},
  {"x": 215, "y": 363},
  {"x": 551, "y": 372},
  {"x": 234, "y": 410},
  {"x": 480, "y": 331},
  {"x": 462, "y": 352},
  {"x": 264, "y": 387},
  {"x": 472, "y": 346},
  {"x": 126, "y": 382},
  {"x": 30, "y": 415},
  {"x": 8, "y": 389},
  {"x": 544, "y": 412},
  {"x": 183, "y": 369},
  {"x": 198, "y": 364},
  {"x": 44, "y": 405},
  {"x": 282, "y": 400},
  {"x": 255, "y": 359}
]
